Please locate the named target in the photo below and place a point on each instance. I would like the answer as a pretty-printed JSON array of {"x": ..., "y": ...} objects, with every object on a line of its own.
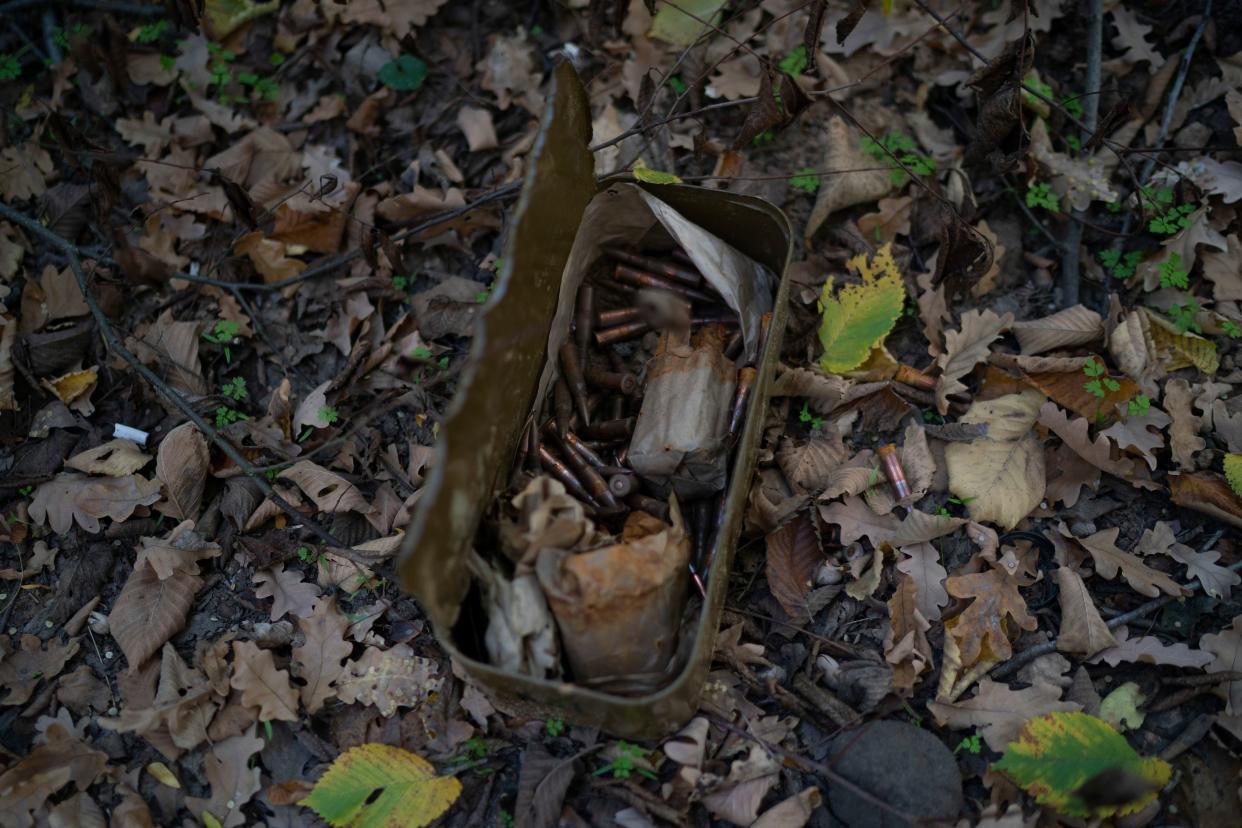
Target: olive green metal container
[{"x": 482, "y": 428}]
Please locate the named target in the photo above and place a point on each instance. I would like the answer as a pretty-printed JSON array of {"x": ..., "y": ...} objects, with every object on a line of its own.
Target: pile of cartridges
[{"x": 650, "y": 398}]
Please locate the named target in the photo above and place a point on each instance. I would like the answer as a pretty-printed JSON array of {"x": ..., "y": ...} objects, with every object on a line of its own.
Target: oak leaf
[
  {"x": 233, "y": 781},
  {"x": 1109, "y": 560},
  {"x": 389, "y": 679},
  {"x": 149, "y": 611},
  {"x": 28, "y": 782},
  {"x": 1073, "y": 326},
  {"x": 22, "y": 668},
  {"x": 1000, "y": 712},
  {"x": 181, "y": 466},
  {"x": 1140, "y": 433},
  {"x": 115, "y": 458},
  {"x": 922, "y": 564},
  {"x": 397, "y": 17},
  {"x": 980, "y": 629},
  {"x": 180, "y": 551},
  {"x": 289, "y": 593},
  {"x": 262, "y": 685},
  {"x": 1067, "y": 474},
  {"x": 811, "y": 465},
  {"x": 964, "y": 349},
  {"x": 69, "y": 497},
  {"x": 1148, "y": 649},
  {"x": 905, "y": 645},
  {"x": 1097, "y": 451},
  {"x": 856, "y": 520},
  {"x": 321, "y": 658},
  {"x": 1082, "y": 631},
  {"x": 1068, "y": 389},
  {"x": 1184, "y": 439},
  {"x": 1001, "y": 477},
  {"x": 836, "y": 192},
  {"x": 1218, "y": 581},
  {"x": 330, "y": 492}
]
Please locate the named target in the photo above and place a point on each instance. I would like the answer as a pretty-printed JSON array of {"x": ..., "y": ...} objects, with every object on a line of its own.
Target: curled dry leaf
[
  {"x": 115, "y": 458},
  {"x": 964, "y": 349},
  {"x": 1140, "y": 434},
  {"x": 933, "y": 312},
  {"x": 1073, "y": 326},
  {"x": 179, "y": 552},
  {"x": 69, "y": 497},
  {"x": 1218, "y": 581},
  {"x": 330, "y": 492},
  {"x": 793, "y": 812},
  {"x": 793, "y": 558},
  {"x": 1082, "y": 631},
  {"x": 233, "y": 781},
  {"x": 1207, "y": 493},
  {"x": 858, "y": 521},
  {"x": 823, "y": 392},
  {"x": 1000, "y": 477},
  {"x": 810, "y": 466},
  {"x": 980, "y": 630},
  {"x": 181, "y": 466},
  {"x": 738, "y": 796},
  {"x": 1000, "y": 712},
  {"x": 149, "y": 611},
  {"x": 905, "y": 645},
  {"x": 23, "y": 667}
]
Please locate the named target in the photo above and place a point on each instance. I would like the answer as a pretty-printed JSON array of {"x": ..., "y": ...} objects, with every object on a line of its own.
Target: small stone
[{"x": 900, "y": 764}]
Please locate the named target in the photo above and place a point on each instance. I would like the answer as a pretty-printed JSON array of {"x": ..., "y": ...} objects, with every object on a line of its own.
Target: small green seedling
[
  {"x": 895, "y": 147},
  {"x": 152, "y": 31},
  {"x": 625, "y": 763},
  {"x": 506, "y": 819},
  {"x": 10, "y": 65},
  {"x": 763, "y": 139},
  {"x": 267, "y": 729},
  {"x": 226, "y": 416},
  {"x": 1138, "y": 406},
  {"x": 1100, "y": 383},
  {"x": 678, "y": 84},
  {"x": 223, "y": 333},
  {"x": 1184, "y": 317},
  {"x": 1231, "y": 328},
  {"x": 970, "y": 744},
  {"x": 1040, "y": 195},
  {"x": 25, "y": 491},
  {"x": 1172, "y": 274},
  {"x": 806, "y": 416},
  {"x": 328, "y": 414},
  {"x": 794, "y": 63},
  {"x": 806, "y": 180},
  {"x": 1120, "y": 265},
  {"x": 308, "y": 555},
  {"x": 555, "y": 727},
  {"x": 421, "y": 352},
  {"x": 235, "y": 389}
]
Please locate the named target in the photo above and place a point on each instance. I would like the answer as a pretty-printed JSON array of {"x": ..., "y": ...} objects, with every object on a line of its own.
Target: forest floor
[{"x": 288, "y": 217}]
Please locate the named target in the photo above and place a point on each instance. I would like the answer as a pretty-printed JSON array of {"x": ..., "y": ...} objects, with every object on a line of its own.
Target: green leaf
[
  {"x": 1120, "y": 708},
  {"x": 677, "y": 24},
  {"x": 405, "y": 74},
  {"x": 410, "y": 795},
  {"x": 1233, "y": 472},
  {"x": 860, "y": 316},
  {"x": 649, "y": 176},
  {"x": 806, "y": 180},
  {"x": 1055, "y": 754},
  {"x": 794, "y": 63}
]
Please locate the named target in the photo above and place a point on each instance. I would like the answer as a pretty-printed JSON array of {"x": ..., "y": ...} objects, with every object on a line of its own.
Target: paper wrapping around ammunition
[
  {"x": 619, "y": 607},
  {"x": 680, "y": 436}
]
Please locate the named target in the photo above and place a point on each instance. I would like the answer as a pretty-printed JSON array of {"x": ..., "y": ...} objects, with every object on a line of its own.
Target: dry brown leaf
[
  {"x": 330, "y": 492},
  {"x": 1226, "y": 650},
  {"x": 933, "y": 312},
  {"x": 891, "y": 220},
  {"x": 793, "y": 558},
  {"x": 508, "y": 70},
  {"x": 1000, "y": 477},
  {"x": 263, "y": 686},
  {"x": 1132, "y": 37},
  {"x": 1000, "y": 712},
  {"x": 981, "y": 628},
  {"x": 270, "y": 257},
  {"x": 28, "y": 782},
  {"x": 179, "y": 552},
  {"x": 25, "y": 169},
  {"x": 396, "y": 17},
  {"x": 181, "y": 466},
  {"x": 389, "y": 679},
  {"x": 1109, "y": 560},
  {"x": 1184, "y": 439},
  {"x": 1207, "y": 493},
  {"x": 987, "y": 282},
  {"x": 905, "y": 646},
  {"x": 321, "y": 658},
  {"x": 921, "y": 527},
  {"x": 1225, "y": 270},
  {"x": 476, "y": 124},
  {"x": 149, "y": 611},
  {"x": 8, "y": 372},
  {"x": 1078, "y": 179},
  {"x": 964, "y": 349},
  {"x": 115, "y": 458},
  {"x": 1218, "y": 581},
  {"x": 289, "y": 593},
  {"x": 824, "y": 392},
  {"x": 171, "y": 348},
  {"x": 793, "y": 812},
  {"x": 183, "y": 707},
  {"x": 1148, "y": 649},
  {"x": 918, "y": 462},
  {"x": 736, "y": 798},
  {"x": 1082, "y": 631},
  {"x": 857, "y": 520},
  {"x": 74, "y": 389},
  {"x": 233, "y": 781},
  {"x": 924, "y": 568},
  {"x": 1073, "y": 326},
  {"x": 22, "y": 668},
  {"x": 69, "y": 497},
  {"x": 1067, "y": 474},
  {"x": 869, "y": 182},
  {"x": 1098, "y": 451},
  {"x": 1140, "y": 434}
]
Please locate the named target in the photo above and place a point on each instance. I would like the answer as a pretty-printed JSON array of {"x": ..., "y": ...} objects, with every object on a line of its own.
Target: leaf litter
[{"x": 1069, "y": 470}]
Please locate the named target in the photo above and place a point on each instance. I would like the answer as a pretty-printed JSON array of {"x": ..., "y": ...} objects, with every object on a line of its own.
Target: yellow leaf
[
  {"x": 210, "y": 821},
  {"x": 649, "y": 176},
  {"x": 1000, "y": 477},
  {"x": 860, "y": 316},
  {"x": 163, "y": 775},
  {"x": 379, "y": 786},
  {"x": 1181, "y": 350},
  {"x": 1233, "y": 472},
  {"x": 683, "y": 22},
  {"x": 222, "y": 17}
]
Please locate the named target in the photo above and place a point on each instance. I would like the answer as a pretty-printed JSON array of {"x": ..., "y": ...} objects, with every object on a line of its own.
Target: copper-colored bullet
[
  {"x": 892, "y": 469},
  {"x": 650, "y": 505},
  {"x": 618, "y": 407},
  {"x": 562, "y": 406},
  {"x": 587, "y": 453},
  {"x": 571, "y": 368},
  {"x": 557, "y": 468},
  {"x": 745, "y": 381},
  {"x": 621, "y": 333},
  {"x": 733, "y": 348},
  {"x": 623, "y": 455},
  {"x": 698, "y": 581},
  {"x": 915, "y": 378},
  {"x": 617, "y": 316},
  {"x": 622, "y": 485},
  {"x": 655, "y": 266},
  {"x": 532, "y": 454},
  {"x": 591, "y": 479},
  {"x": 625, "y": 382},
  {"x": 627, "y": 275},
  {"x": 584, "y": 319},
  {"x": 701, "y": 518},
  {"x": 723, "y": 316},
  {"x": 609, "y": 429}
]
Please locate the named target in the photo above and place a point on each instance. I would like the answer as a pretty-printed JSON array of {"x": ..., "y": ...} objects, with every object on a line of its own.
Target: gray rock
[{"x": 908, "y": 768}]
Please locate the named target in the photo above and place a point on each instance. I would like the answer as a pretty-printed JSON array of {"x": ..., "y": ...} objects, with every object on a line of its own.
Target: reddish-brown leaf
[
  {"x": 793, "y": 559},
  {"x": 149, "y": 611},
  {"x": 982, "y": 624}
]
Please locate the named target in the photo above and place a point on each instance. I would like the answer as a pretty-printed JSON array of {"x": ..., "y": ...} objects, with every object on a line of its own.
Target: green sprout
[
  {"x": 1231, "y": 328},
  {"x": 970, "y": 744},
  {"x": 151, "y": 32},
  {"x": 806, "y": 416},
  {"x": 235, "y": 389},
  {"x": 421, "y": 352},
  {"x": 1120, "y": 265},
  {"x": 329, "y": 414},
  {"x": 1100, "y": 383},
  {"x": 400, "y": 283},
  {"x": 1138, "y": 406},
  {"x": 763, "y": 139},
  {"x": 223, "y": 333},
  {"x": 1036, "y": 92},
  {"x": 10, "y": 66},
  {"x": 226, "y": 416},
  {"x": 897, "y": 149},
  {"x": 276, "y": 58},
  {"x": 405, "y": 74},
  {"x": 679, "y": 86},
  {"x": 555, "y": 727},
  {"x": 25, "y": 491},
  {"x": 1184, "y": 317},
  {"x": 794, "y": 63},
  {"x": 1040, "y": 195},
  {"x": 1172, "y": 274},
  {"x": 625, "y": 763},
  {"x": 806, "y": 180}
]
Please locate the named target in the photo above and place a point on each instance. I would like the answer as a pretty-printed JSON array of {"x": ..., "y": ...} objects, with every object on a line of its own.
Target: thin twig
[
  {"x": 114, "y": 342},
  {"x": 1070, "y": 278},
  {"x": 1031, "y": 653}
]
